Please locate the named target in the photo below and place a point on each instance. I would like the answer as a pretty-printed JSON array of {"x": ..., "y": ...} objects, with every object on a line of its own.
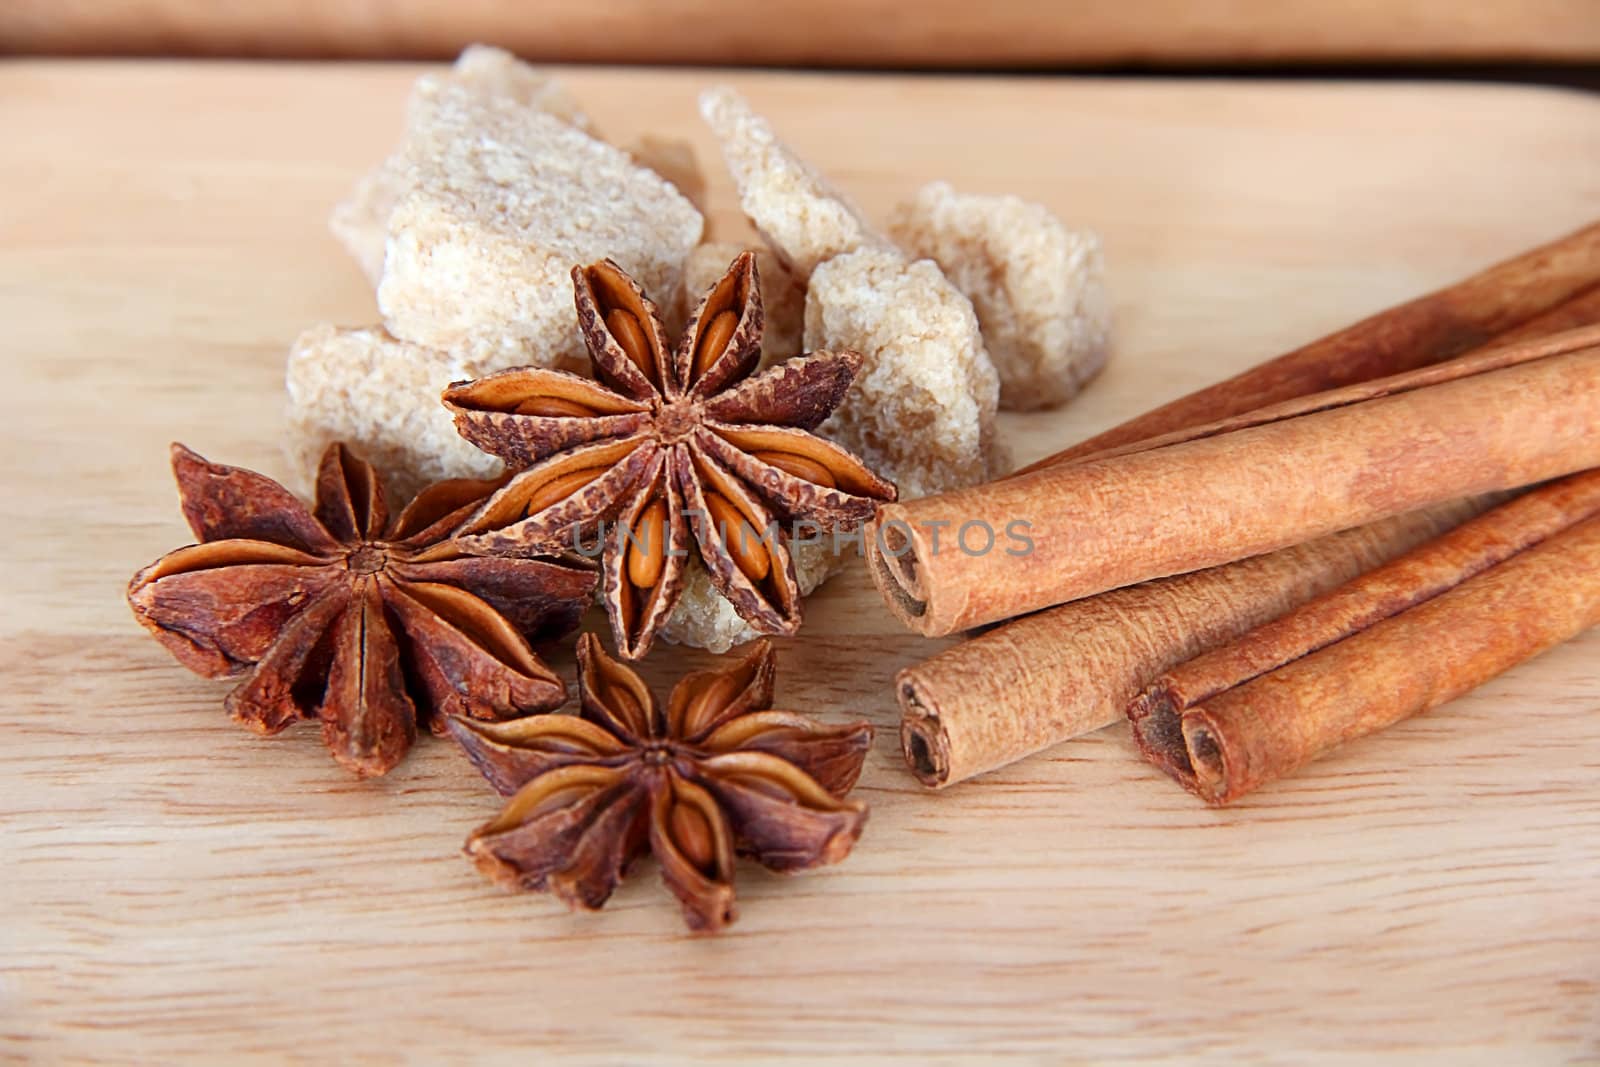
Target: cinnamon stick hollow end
[
  {"x": 1208, "y": 759},
  {"x": 925, "y": 744},
  {"x": 892, "y": 562},
  {"x": 1180, "y": 740},
  {"x": 1157, "y": 720}
]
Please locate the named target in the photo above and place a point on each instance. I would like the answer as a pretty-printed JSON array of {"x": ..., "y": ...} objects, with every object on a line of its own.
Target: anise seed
[
  {"x": 647, "y": 551},
  {"x": 714, "y": 340},
  {"x": 556, "y": 800},
  {"x": 630, "y": 335},
  {"x": 559, "y": 488},
  {"x": 712, "y": 698},
  {"x": 691, "y": 832},
  {"x": 805, "y": 469},
  {"x": 740, "y": 538},
  {"x": 767, "y": 786},
  {"x": 552, "y": 407},
  {"x": 622, "y": 699}
]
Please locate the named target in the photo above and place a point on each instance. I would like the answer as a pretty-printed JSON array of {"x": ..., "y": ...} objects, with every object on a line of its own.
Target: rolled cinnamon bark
[
  {"x": 1419, "y": 575},
  {"x": 1045, "y": 678},
  {"x": 1399, "y": 646},
  {"x": 1581, "y": 310},
  {"x": 1219, "y": 494},
  {"x": 1431, "y": 328},
  {"x": 1060, "y": 673},
  {"x": 1509, "y": 353}
]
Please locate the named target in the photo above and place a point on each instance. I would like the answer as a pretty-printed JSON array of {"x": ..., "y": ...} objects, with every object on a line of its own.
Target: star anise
[
  {"x": 662, "y": 437},
  {"x": 341, "y": 615},
  {"x": 714, "y": 773}
]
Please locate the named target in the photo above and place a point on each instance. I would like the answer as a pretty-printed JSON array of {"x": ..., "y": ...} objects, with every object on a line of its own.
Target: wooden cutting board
[{"x": 175, "y": 888}]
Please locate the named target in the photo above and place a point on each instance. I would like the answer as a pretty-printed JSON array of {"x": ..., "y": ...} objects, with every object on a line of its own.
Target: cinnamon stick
[
  {"x": 1394, "y": 642},
  {"x": 1500, "y": 301},
  {"x": 1507, "y": 417},
  {"x": 1045, "y": 678},
  {"x": 1438, "y": 326},
  {"x": 1417, "y": 576}
]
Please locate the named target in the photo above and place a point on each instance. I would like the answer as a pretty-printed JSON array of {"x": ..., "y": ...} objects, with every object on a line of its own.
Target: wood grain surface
[
  {"x": 872, "y": 33},
  {"x": 175, "y": 889}
]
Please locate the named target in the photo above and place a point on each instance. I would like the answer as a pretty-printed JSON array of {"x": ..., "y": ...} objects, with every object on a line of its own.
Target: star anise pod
[
  {"x": 717, "y": 772},
  {"x": 660, "y": 437},
  {"x": 339, "y": 614}
]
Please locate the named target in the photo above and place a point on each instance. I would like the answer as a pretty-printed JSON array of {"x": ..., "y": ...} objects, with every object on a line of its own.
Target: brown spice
[
  {"x": 1049, "y": 677},
  {"x": 1394, "y": 642},
  {"x": 714, "y": 773},
  {"x": 1432, "y": 328},
  {"x": 1044, "y": 678},
  {"x": 659, "y": 438},
  {"x": 1502, "y": 419},
  {"x": 339, "y": 614}
]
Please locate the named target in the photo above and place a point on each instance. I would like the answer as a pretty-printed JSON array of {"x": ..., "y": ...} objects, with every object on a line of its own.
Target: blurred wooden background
[{"x": 832, "y": 33}]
